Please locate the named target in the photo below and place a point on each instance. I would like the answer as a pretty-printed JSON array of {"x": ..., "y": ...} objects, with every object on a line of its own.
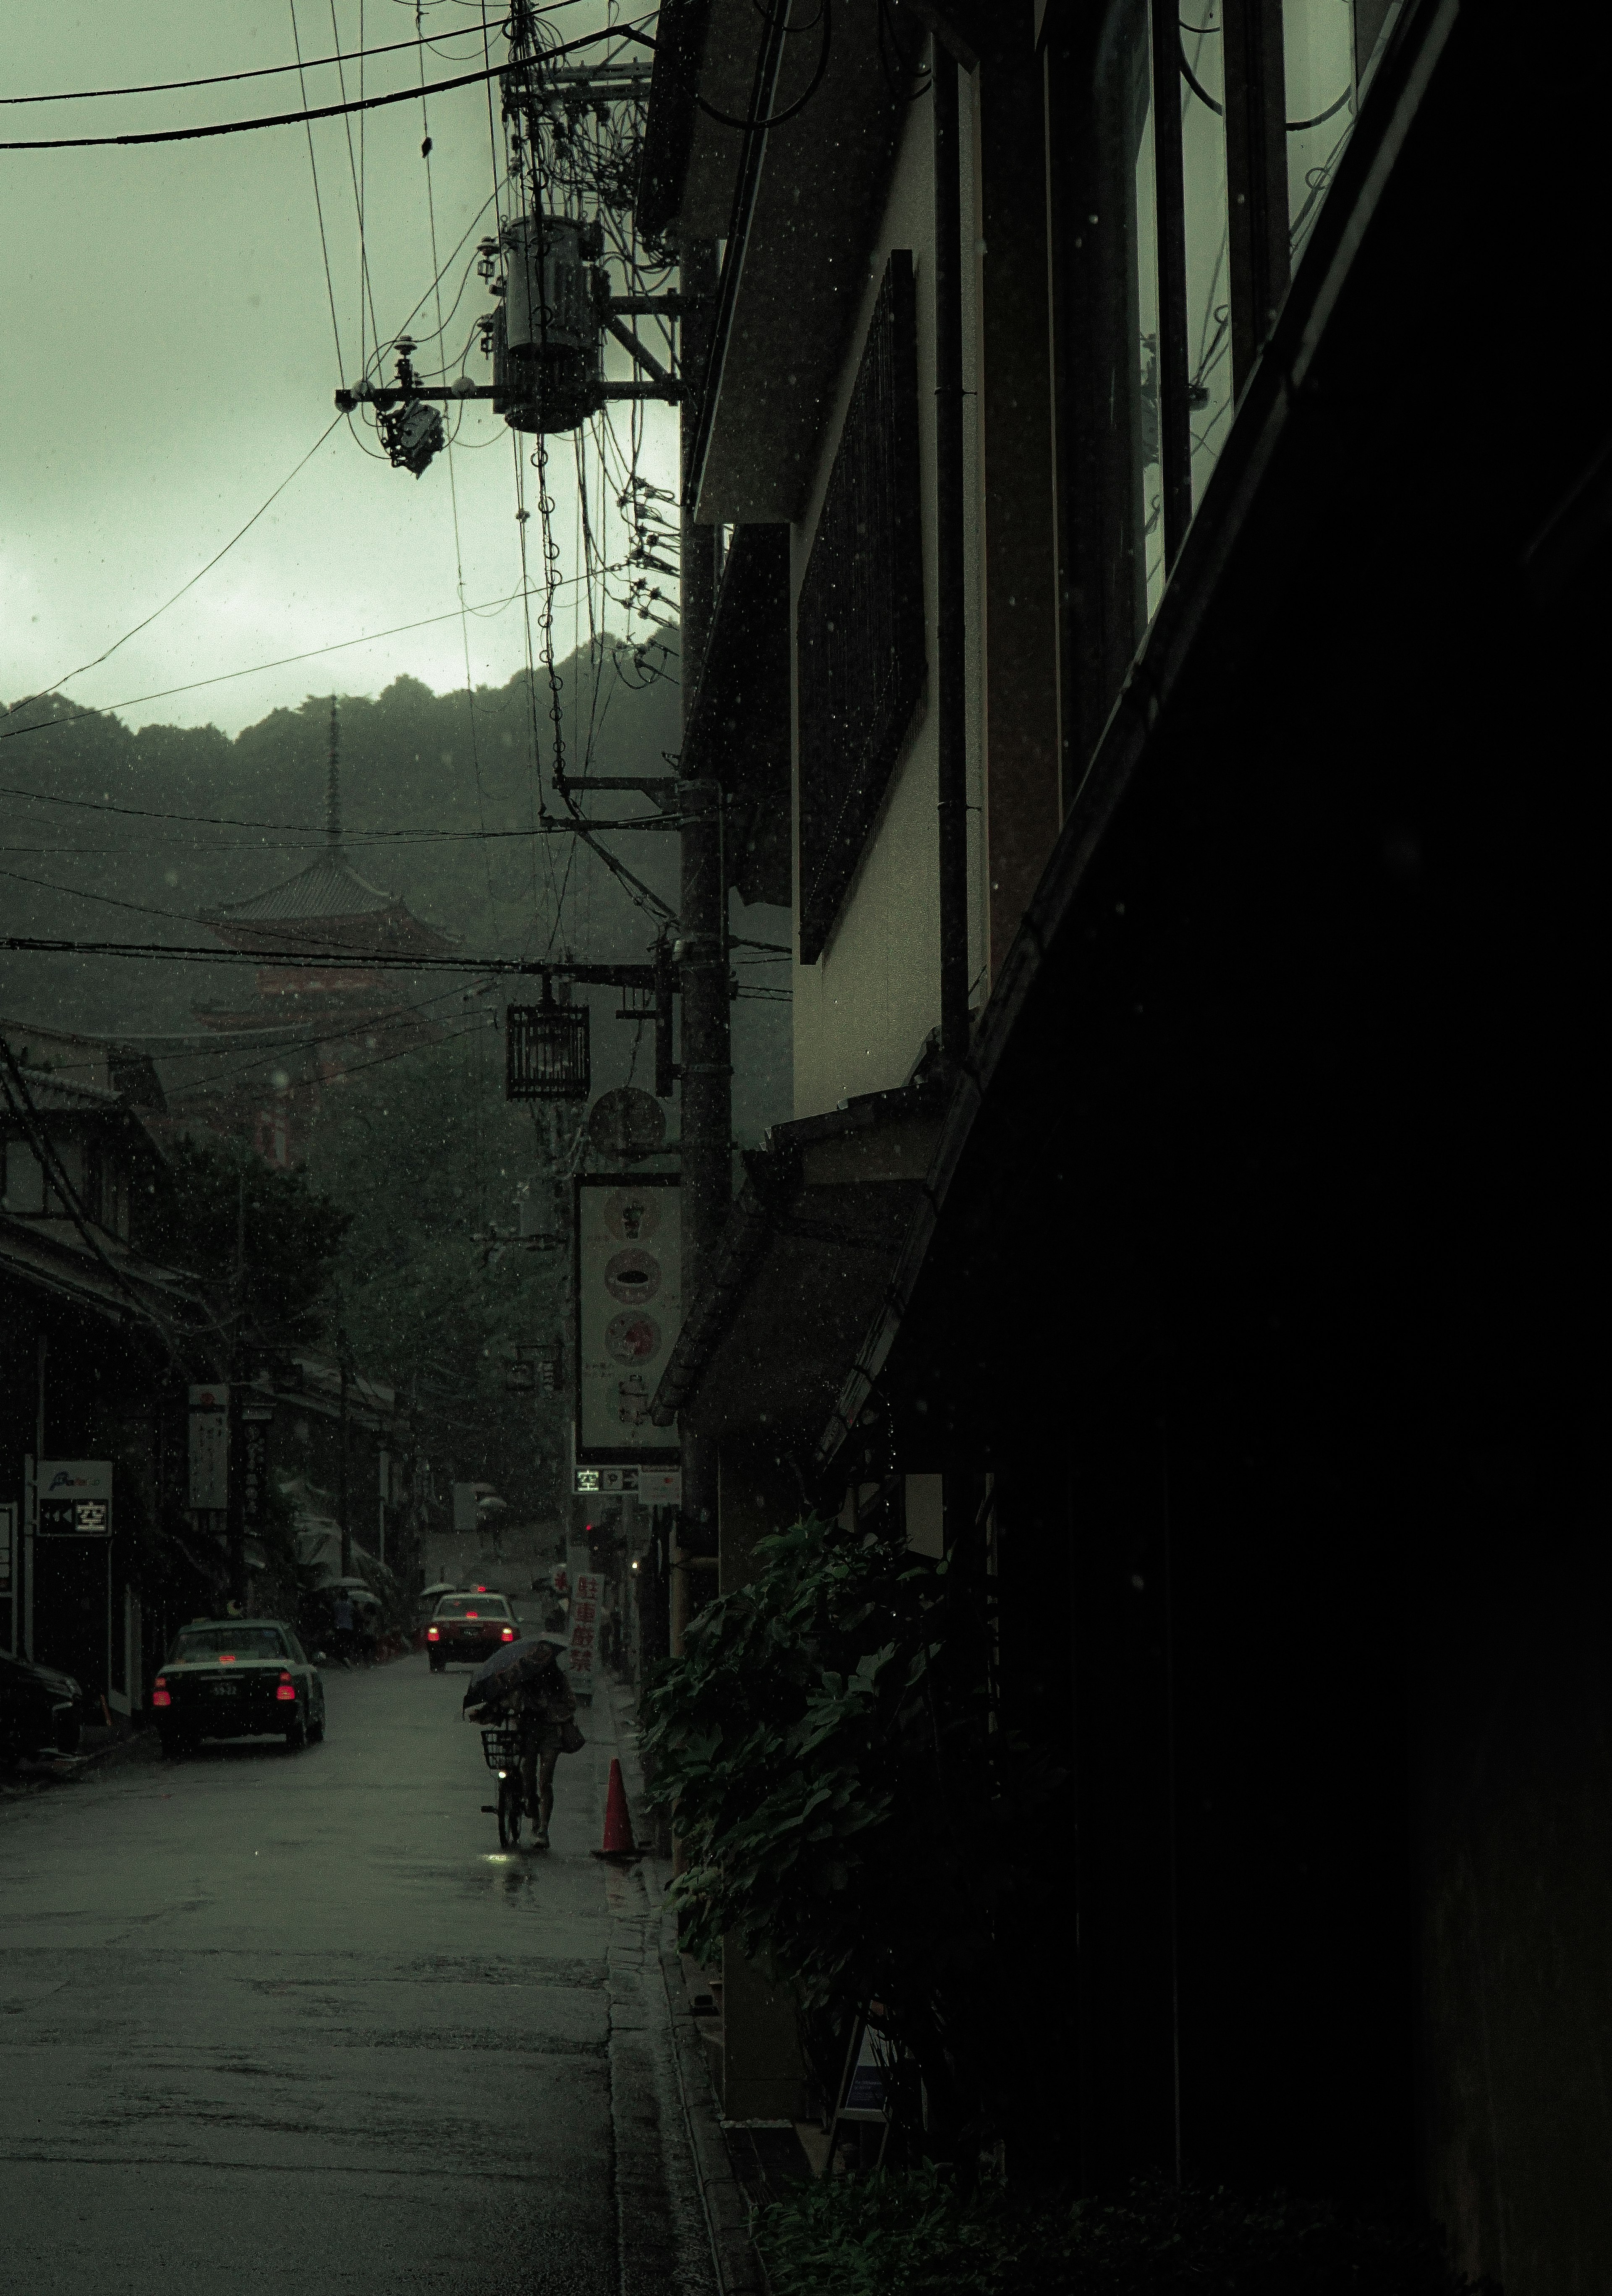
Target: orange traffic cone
[{"x": 618, "y": 1825}]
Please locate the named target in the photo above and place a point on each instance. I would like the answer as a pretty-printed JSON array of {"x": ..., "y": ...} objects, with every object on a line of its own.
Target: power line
[
  {"x": 326, "y": 960},
  {"x": 224, "y": 80},
  {"x": 224, "y": 676},
  {"x": 330, "y": 286},
  {"x": 293, "y": 118},
  {"x": 179, "y": 593}
]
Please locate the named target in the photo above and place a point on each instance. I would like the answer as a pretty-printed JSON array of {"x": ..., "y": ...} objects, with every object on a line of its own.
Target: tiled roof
[
  {"x": 54, "y": 1095},
  {"x": 329, "y": 888}
]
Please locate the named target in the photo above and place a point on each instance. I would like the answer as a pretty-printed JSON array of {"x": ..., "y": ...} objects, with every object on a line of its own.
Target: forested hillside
[{"x": 113, "y": 834}]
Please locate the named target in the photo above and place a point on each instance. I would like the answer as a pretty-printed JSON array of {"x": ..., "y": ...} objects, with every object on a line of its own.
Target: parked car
[
  {"x": 38, "y": 1709},
  {"x": 469, "y": 1626},
  {"x": 238, "y": 1678}
]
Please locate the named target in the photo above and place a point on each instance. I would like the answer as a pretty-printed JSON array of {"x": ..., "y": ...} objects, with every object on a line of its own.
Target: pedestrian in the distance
[{"x": 344, "y": 1628}]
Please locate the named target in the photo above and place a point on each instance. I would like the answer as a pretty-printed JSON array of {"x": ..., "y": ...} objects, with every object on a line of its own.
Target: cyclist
[{"x": 541, "y": 1712}]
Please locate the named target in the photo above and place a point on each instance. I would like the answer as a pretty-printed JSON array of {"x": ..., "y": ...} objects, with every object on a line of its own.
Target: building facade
[{"x": 1171, "y": 664}]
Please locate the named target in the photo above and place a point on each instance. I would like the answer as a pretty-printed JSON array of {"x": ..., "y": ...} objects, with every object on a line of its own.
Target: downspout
[{"x": 950, "y": 688}]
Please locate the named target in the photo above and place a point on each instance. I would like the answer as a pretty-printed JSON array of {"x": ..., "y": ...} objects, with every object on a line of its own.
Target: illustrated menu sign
[
  {"x": 75, "y": 1498},
  {"x": 629, "y": 1310}
]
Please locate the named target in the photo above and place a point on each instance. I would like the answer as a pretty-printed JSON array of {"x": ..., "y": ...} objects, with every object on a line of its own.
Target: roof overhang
[{"x": 806, "y": 1257}]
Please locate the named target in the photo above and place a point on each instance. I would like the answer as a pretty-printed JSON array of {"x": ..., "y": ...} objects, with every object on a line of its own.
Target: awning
[{"x": 806, "y": 1258}]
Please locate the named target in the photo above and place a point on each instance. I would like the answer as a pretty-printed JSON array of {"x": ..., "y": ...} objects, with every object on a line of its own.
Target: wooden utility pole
[{"x": 706, "y": 1046}]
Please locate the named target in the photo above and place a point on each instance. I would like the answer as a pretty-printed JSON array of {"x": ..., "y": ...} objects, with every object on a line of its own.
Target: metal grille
[
  {"x": 859, "y": 626},
  {"x": 547, "y": 1054}
]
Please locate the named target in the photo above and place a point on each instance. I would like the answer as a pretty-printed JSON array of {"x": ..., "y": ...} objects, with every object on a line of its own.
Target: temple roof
[
  {"x": 330, "y": 888},
  {"x": 327, "y": 905}
]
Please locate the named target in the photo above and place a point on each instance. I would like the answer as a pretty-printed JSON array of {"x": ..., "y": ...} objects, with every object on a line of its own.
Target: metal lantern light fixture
[{"x": 548, "y": 1051}]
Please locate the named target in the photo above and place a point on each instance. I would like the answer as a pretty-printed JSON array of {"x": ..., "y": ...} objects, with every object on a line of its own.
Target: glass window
[
  {"x": 228, "y": 1641},
  {"x": 1149, "y": 449},
  {"x": 1201, "y": 90},
  {"x": 1318, "y": 57},
  {"x": 24, "y": 1179}
]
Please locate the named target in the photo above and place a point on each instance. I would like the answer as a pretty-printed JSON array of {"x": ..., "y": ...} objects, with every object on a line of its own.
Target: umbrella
[
  {"x": 509, "y": 1668},
  {"x": 440, "y": 1586},
  {"x": 352, "y": 1586}
]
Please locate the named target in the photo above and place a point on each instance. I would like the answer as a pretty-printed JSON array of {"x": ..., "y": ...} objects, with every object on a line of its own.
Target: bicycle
[{"x": 501, "y": 1748}]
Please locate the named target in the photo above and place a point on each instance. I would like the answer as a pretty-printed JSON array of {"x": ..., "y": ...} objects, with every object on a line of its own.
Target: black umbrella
[{"x": 510, "y": 1668}]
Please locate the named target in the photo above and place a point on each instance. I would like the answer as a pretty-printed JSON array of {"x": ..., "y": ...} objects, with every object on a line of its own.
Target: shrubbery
[
  {"x": 912, "y": 2233},
  {"x": 852, "y": 1810}
]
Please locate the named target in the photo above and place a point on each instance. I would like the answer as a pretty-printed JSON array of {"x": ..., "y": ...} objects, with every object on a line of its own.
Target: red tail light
[
  {"x": 509, "y": 1633},
  {"x": 433, "y": 1634},
  {"x": 162, "y": 1695},
  {"x": 288, "y": 1688}
]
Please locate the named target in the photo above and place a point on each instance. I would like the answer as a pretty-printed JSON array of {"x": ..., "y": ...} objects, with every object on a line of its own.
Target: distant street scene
[{"x": 802, "y": 988}]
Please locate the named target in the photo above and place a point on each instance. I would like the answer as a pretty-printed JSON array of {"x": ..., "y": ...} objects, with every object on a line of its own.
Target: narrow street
[{"x": 293, "y": 2021}]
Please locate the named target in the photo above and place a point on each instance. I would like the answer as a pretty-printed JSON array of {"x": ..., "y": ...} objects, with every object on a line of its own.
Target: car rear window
[
  {"x": 230, "y": 1642},
  {"x": 473, "y": 1606}
]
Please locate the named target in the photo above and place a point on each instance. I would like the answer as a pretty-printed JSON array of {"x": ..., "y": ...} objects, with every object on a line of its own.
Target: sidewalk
[{"x": 740, "y": 2169}]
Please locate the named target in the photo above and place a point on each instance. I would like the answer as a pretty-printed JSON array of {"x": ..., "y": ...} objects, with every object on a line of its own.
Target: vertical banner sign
[
  {"x": 629, "y": 1293},
  {"x": 583, "y": 1586},
  {"x": 209, "y": 1447},
  {"x": 584, "y": 1629},
  {"x": 8, "y": 1547},
  {"x": 75, "y": 1498}
]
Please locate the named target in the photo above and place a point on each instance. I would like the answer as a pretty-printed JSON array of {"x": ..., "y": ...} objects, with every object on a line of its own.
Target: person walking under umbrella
[{"x": 540, "y": 1708}]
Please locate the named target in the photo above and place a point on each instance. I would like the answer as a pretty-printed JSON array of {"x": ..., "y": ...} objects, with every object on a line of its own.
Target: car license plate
[{"x": 227, "y": 1690}]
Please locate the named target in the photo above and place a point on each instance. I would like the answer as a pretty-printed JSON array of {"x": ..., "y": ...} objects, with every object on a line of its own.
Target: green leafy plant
[
  {"x": 915, "y": 2232},
  {"x": 852, "y": 1811},
  {"x": 266, "y": 1238}
]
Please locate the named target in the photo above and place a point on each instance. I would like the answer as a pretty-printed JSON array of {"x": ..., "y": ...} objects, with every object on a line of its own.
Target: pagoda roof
[
  {"x": 327, "y": 904},
  {"x": 330, "y": 888}
]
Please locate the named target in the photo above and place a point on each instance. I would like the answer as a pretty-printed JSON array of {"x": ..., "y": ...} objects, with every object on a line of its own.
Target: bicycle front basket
[{"x": 502, "y": 1750}]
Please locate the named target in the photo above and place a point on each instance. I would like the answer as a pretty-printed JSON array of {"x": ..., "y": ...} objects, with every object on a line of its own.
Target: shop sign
[
  {"x": 629, "y": 1293},
  {"x": 209, "y": 1447},
  {"x": 75, "y": 1498}
]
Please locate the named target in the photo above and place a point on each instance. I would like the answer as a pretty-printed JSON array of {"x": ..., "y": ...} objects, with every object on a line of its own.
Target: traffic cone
[{"x": 618, "y": 1825}]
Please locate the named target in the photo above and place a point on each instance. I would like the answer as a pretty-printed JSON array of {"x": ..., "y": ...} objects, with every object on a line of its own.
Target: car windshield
[
  {"x": 473, "y": 1606},
  {"x": 229, "y": 1642}
]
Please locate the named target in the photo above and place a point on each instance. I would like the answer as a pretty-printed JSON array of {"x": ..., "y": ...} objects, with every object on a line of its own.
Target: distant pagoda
[{"x": 321, "y": 1019}]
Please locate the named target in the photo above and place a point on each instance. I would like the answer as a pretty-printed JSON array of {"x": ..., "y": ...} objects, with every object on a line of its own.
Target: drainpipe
[{"x": 951, "y": 689}]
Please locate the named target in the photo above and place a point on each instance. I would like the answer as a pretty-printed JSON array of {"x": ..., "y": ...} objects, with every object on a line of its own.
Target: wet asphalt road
[{"x": 293, "y": 2021}]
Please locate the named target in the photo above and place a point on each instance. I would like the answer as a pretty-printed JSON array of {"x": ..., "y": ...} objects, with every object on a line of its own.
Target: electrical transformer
[{"x": 548, "y": 368}]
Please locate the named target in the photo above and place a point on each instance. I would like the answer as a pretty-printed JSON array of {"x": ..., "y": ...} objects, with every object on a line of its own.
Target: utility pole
[
  {"x": 343, "y": 1522},
  {"x": 707, "y": 1062}
]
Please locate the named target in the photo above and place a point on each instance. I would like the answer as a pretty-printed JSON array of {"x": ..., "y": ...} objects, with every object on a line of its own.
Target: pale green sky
[{"x": 166, "y": 357}]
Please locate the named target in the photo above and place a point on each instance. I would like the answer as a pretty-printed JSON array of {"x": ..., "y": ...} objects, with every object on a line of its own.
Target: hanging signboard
[
  {"x": 209, "y": 1447},
  {"x": 583, "y": 1582},
  {"x": 629, "y": 1293},
  {"x": 655, "y": 1486},
  {"x": 75, "y": 1498}
]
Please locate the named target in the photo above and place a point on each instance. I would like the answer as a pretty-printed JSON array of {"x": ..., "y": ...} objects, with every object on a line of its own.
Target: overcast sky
[{"x": 167, "y": 359}]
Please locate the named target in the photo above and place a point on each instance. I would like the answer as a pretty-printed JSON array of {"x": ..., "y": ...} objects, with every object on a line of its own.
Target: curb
[{"x": 740, "y": 2271}]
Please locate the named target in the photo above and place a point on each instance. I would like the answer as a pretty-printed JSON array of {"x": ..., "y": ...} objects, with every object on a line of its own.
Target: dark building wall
[{"x": 1285, "y": 1220}]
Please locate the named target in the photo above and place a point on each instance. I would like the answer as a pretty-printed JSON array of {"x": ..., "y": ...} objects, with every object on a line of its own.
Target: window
[
  {"x": 859, "y": 623},
  {"x": 24, "y": 1179},
  {"x": 227, "y": 1642},
  {"x": 1194, "y": 143}
]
